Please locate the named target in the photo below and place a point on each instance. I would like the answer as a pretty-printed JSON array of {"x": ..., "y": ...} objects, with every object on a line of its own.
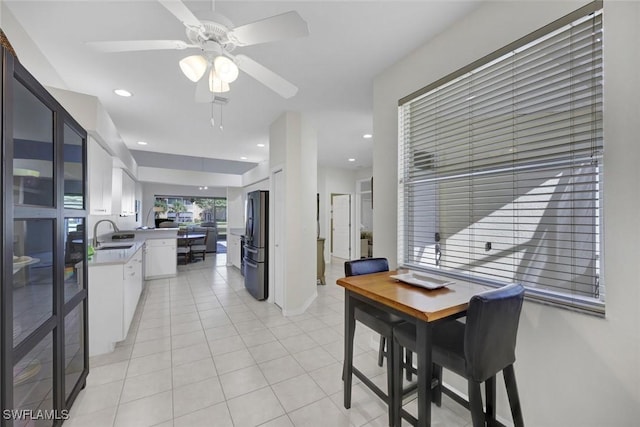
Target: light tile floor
[{"x": 202, "y": 352}]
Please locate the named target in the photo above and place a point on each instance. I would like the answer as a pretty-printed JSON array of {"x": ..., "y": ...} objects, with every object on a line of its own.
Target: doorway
[
  {"x": 364, "y": 212},
  {"x": 341, "y": 225}
]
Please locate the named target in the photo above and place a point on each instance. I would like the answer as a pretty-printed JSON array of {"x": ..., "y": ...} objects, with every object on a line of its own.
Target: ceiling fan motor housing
[{"x": 213, "y": 33}]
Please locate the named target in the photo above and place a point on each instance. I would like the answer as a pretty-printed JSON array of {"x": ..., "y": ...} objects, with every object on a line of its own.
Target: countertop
[
  {"x": 114, "y": 256},
  {"x": 122, "y": 256}
]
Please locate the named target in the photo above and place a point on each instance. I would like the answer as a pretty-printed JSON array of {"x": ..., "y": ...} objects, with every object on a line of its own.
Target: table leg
[
  {"x": 349, "y": 331},
  {"x": 425, "y": 372}
]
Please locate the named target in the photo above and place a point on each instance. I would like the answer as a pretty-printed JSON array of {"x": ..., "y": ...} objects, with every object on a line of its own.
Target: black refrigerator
[{"x": 256, "y": 245}]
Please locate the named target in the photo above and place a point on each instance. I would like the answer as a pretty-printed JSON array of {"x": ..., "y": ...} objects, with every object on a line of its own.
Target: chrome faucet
[{"x": 95, "y": 231}]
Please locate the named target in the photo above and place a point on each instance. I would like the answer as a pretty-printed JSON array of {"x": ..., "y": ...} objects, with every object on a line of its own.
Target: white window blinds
[{"x": 500, "y": 168}]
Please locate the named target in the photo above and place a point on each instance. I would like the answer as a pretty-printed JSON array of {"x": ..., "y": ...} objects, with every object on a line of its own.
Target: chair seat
[
  {"x": 448, "y": 343},
  {"x": 198, "y": 248},
  {"x": 371, "y": 319}
]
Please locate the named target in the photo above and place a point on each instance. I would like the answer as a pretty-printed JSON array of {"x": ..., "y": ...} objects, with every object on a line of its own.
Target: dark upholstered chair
[
  {"x": 477, "y": 350},
  {"x": 199, "y": 246},
  {"x": 368, "y": 266},
  {"x": 378, "y": 320},
  {"x": 183, "y": 249}
]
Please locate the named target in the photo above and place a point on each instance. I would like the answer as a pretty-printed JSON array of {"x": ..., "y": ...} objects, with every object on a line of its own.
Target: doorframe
[
  {"x": 358, "y": 216},
  {"x": 350, "y": 234}
]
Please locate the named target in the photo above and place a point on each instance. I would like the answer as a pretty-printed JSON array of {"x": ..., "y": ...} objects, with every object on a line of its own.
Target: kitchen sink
[{"x": 107, "y": 248}]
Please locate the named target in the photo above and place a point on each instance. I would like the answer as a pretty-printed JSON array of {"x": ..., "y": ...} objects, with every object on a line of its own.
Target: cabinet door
[
  {"x": 160, "y": 259},
  {"x": 234, "y": 250},
  {"x": 99, "y": 168},
  {"x": 129, "y": 194},
  {"x": 131, "y": 292}
]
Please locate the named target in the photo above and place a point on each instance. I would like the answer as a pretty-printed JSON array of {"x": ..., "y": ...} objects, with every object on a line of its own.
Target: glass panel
[
  {"x": 74, "y": 255},
  {"x": 73, "y": 169},
  {"x": 33, "y": 276},
  {"x": 32, "y": 150},
  {"x": 73, "y": 347},
  {"x": 33, "y": 386}
]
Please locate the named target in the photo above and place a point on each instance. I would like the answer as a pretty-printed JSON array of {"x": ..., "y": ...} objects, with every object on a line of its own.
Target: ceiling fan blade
[
  {"x": 278, "y": 27},
  {"x": 265, "y": 76},
  {"x": 137, "y": 45},
  {"x": 182, "y": 12}
]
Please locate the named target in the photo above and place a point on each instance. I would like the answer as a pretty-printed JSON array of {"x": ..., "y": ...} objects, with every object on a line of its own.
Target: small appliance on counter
[{"x": 256, "y": 245}]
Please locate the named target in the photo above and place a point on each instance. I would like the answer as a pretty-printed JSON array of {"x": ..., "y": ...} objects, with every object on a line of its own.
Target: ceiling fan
[{"x": 216, "y": 37}]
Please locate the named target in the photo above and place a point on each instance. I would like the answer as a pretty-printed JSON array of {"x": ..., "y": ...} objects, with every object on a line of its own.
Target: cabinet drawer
[{"x": 160, "y": 242}]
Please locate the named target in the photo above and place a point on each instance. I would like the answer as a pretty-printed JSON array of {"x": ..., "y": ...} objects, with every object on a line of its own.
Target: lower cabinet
[
  {"x": 131, "y": 290},
  {"x": 114, "y": 291},
  {"x": 160, "y": 258},
  {"x": 233, "y": 250}
]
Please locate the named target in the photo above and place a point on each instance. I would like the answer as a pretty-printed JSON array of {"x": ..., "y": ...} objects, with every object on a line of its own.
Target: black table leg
[
  {"x": 349, "y": 331},
  {"x": 425, "y": 372}
]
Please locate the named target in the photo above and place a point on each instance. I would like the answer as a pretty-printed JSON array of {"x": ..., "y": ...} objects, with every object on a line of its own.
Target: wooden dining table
[{"x": 414, "y": 304}]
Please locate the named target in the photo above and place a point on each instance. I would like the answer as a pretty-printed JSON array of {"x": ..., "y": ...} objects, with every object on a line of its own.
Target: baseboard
[{"x": 300, "y": 310}]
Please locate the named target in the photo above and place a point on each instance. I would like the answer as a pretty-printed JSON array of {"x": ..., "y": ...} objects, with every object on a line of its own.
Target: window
[
  {"x": 500, "y": 167},
  {"x": 192, "y": 209}
]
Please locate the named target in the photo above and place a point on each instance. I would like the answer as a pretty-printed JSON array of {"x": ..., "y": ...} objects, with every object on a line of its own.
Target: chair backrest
[
  {"x": 365, "y": 266},
  {"x": 491, "y": 331},
  {"x": 201, "y": 230}
]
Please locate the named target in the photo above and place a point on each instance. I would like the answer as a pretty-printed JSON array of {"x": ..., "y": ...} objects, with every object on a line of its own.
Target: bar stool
[
  {"x": 379, "y": 321},
  {"x": 476, "y": 350}
]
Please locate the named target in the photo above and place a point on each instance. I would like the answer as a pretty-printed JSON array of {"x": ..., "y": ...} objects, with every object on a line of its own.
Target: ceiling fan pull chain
[
  {"x": 221, "y": 128},
  {"x": 213, "y": 122}
]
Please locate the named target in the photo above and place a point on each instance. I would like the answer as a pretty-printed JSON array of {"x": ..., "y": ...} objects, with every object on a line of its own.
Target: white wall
[
  {"x": 293, "y": 147},
  {"x": 235, "y": 208},
  {"x": 572, "y": 369},
  {"x": 257, "y": 174}
]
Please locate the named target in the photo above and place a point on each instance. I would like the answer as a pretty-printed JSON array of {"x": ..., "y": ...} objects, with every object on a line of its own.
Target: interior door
[
  {"x": 278, "y": 200},
  {"x": 341, "y": 229}
]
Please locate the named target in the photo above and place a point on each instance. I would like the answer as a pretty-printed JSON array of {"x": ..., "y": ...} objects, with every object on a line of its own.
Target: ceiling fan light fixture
[
  {"x": 216, "y": 85},
  {"x": 226, "y": 69},
  {"x": 193, "y": 67}
]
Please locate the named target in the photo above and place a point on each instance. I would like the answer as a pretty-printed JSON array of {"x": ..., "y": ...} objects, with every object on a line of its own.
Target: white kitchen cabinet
[
  {"x": 160, "y": 258},
  {"x": 99, "y": 165},
  {"x": 113, "y": 293},
  {"x": 124, "y": 193},
  {"x": 233, "y": 250},
  {"x": 131, "y": 290}
]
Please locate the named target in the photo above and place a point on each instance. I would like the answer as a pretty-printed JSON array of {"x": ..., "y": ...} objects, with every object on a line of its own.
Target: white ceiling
[{"x": 350, "y": 42}]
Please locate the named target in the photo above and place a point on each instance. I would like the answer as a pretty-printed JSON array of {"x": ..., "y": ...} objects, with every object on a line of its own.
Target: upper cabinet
[
  {"x": 124, "y": 193},
  {"x": 100, "y": 179}
]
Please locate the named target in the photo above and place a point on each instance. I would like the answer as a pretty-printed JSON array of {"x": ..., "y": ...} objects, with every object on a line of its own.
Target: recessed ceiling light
[
  {"x": 142, "y": 143},
  {"x": 352, "y": 160},
  {"x": 243, "y": 158},
  {"x": 260, "y": 145},
  {"x": 367, "y": 136},
  {"x": 122, "y": 92}
]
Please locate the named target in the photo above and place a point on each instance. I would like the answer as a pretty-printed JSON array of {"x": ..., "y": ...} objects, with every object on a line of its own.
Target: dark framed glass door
[{"x": 43, "y": 352}]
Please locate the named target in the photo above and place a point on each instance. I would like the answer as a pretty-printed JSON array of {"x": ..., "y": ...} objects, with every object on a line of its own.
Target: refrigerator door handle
[
  {"x": 250, "y": 264},
  {"x": 250, "y": 249}
]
